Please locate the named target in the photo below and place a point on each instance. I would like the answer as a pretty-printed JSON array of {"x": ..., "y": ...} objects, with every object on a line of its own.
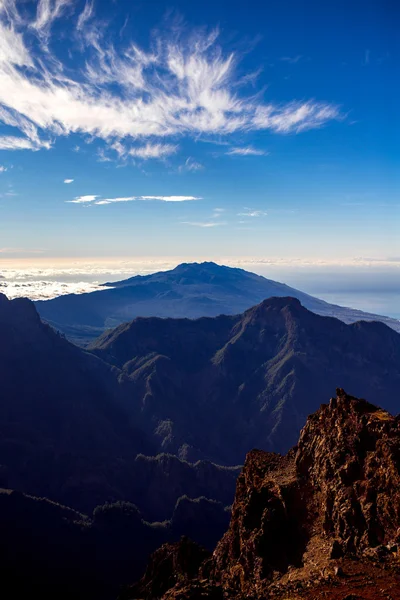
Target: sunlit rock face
[{"x": 322, "y": 521}]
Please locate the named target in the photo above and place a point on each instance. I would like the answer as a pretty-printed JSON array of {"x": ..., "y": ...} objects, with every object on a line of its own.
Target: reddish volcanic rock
[
  {"x": 349, "y": 452},
  {"x": 321, "y": 522},
  {"x": 170, "y": 565}
]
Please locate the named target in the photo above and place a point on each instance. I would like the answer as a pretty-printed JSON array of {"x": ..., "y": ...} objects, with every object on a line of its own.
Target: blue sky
[{"x": 199, "y": 129}]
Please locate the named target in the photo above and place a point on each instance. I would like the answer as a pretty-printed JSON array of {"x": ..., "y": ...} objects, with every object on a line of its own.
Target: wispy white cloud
[
  {"x": 295, "y": 117},
  {"x": 95, "y": 199},
  {"x": 148, "y": 151},
  {"x": 247, "y": 151},
  {"x": 184, "y": 87},
  {"x": 205, "y": 224},
  {"x": 3, "y": 169},
  {"x": 85, "y": 16},
  {"x": 367, "y": 58},
  {"x": 153, "y": 151},
  {"x": 218, "y": 212},
  {"x": 68, "y": 180},
  {"x": 190, "y": 165},
  {"x": 293, "y": 60},
  {"x": 20, "y": 251},
  {"x": 170, "y": 198},
  {"x": 83, "y": 199},
  {"x": 12, "y": 142},
  {"x": 48, "y": 11},
  {"x": 253, "y": 213}
]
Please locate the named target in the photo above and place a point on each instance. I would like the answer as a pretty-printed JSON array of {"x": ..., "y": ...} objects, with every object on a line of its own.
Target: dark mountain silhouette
[
  {"x": 140, "y": 421},
  {"x": 65, "y": 432},
  {"x": 216, "y": 387},
  {"x": 190, "y": 290},
  {"x": 55, "y": 551},
  {"x": 321, "y": 522}
]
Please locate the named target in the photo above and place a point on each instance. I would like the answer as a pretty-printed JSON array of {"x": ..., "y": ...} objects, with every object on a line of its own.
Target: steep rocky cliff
[{"x": 321, "y": 522}]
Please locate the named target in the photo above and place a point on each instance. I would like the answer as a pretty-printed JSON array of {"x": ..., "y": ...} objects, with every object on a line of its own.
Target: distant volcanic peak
[
  {"x": 210, "y": 268},
  {"x": 196, "y": 265}
]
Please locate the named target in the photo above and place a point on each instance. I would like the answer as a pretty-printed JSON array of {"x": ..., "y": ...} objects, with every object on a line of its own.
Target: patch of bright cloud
[
  {"x": 148, "y": 151},
  {"x": 68, "y": 180},
  {"x": 295, "y": 117},
  {"x": 48, "y": 11},
  {"x": 153, "y": 151},
  {"x": 83, "y": 199},
  {"x": 20, "y": 251},
  {"x": 253, "y": 213},
  {"x": 185, "y": 86},
  {"x": 93, "y": 198},
  {"x": 85, "y": 16},
  {"x": 205, "y": 224},
  {"x": 190, "y": 165},
  {"x": 3, "y": 169},
  {"x": 13, "y": 142},
  {"x": 218, "y": 212},
  {"x": 247, "y": 151}
]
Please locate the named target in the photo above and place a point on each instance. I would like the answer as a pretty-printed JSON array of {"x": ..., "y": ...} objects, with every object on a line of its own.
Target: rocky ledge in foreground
[{"x": 321, "y": 522}]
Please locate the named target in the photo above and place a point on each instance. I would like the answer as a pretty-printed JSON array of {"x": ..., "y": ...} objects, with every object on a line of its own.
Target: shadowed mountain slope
[
  {"x": 65, "y": 432},
  {"x": 63, "y": 428},
  {"x": 215, "y": 388},
  {"x": 48, "y": 550},
  {"x": 190, "y": 290},
  {"x": 321, "y": 522}
]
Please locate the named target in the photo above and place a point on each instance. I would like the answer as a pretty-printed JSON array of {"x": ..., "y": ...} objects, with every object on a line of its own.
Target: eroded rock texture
[{"x": 321, "y": 522}]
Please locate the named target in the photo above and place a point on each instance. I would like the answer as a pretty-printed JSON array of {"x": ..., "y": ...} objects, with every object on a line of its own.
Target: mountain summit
[
  {"x": 191, "y": 290},
  {"x": 213, "y": 388}
]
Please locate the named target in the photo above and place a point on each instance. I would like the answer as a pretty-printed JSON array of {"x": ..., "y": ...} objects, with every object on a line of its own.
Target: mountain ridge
[
  {"x": 66, "y": 434},
  {"x": 190, "y": 290},
  {"x": 214, "y": 387}
]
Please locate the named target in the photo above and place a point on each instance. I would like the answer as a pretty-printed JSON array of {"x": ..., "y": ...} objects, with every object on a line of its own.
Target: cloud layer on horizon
[{"x": 134, "y": 100}]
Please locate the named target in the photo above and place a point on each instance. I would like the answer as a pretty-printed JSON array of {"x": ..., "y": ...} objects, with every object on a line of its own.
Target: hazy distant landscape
[{"x": 369, "y": 288}]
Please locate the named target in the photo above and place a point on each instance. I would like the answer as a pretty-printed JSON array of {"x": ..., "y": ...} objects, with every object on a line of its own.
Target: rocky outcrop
[
  {"x": 170, "y": 565},
  {"x": 324, "y": 519},
  {"x": 349, "y": 454}
]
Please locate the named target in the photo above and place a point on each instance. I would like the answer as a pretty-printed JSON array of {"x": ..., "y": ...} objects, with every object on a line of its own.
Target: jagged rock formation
[
  {"x": 170, "y": 565},
  {"x": 321, "y": 522}
]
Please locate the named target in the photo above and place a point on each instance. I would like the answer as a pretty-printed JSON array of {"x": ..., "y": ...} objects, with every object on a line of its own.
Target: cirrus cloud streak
[
  {"x": 95, "y": 199},
  {"x": 181, "y": 86}
]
